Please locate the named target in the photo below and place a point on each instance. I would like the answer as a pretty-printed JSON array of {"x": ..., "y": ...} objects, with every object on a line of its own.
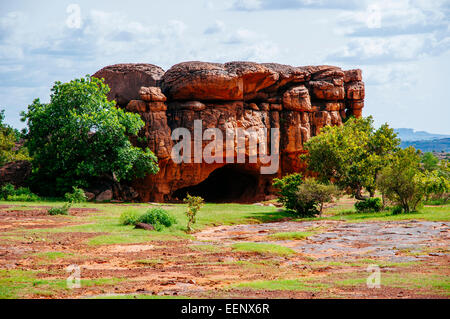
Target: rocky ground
[{"x": 285, "y": 259}]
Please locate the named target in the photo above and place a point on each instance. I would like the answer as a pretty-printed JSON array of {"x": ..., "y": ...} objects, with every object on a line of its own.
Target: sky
[{"x": 403, "y": 47}]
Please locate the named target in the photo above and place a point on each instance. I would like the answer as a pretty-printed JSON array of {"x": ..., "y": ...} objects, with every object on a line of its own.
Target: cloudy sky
[{"x": 403, "y": 47}]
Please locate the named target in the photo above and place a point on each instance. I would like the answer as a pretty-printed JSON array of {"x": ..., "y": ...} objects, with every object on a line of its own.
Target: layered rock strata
[{"x": 299, "y": 101}]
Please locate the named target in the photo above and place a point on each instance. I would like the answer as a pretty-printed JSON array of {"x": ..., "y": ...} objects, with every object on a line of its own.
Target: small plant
[
  {"x": 129, "y": 217},
  {"x": 63, "y": 210},
  {"x": 369, "y": 205},
  {"x": 157, "y": 217},
  {"x": 397, "y": 210},
  {"x": 77, "y": 196},
  {"x": 194, "y": 204}
]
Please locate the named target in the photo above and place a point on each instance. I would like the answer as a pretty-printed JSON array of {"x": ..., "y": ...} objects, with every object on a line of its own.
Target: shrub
[
  {"x": 288, "y": 187},
  {"x": 77, "y": 196},
  {"x": 369, "y": 205},
  {"x": 63, "y": 210},
  {"x": 305, "y": 199},
  {"x": 311, "y": 196},
  {"x": 129, "y": 217},
  {"x": 194, "y": 204},
  {"x": 7, "y": 190},
  {"x": 396, "y": 210},
  {"x": 23, "y": 198},
  {"x": 157, "y": 217}
]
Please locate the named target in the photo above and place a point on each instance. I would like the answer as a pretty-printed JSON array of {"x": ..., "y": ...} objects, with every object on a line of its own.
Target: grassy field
[{"x": 117, "y": 259}]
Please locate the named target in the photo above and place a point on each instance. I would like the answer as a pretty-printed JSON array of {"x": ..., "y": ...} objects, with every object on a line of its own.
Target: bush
[
  {"x": 7, "y": 190},
  {"x": 396, "y": 210},
  {"x": 77, "y": 196},
  {"x": 194, "y": 204},
  {"x": 129, "y": 217},
  {"x": 305, "y": 199},
  {"x": 63, "y": 210},
  {"x": 369, "y": 205},
  {"x": 21, "y": 194},
  {"x": 23, "y": 198},
  {"x": 157, "y": 217},
  {"x": 311, "y": 196}
]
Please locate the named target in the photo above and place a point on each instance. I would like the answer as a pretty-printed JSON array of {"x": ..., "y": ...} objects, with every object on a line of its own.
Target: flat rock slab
[{"x": 344, "y": 240}]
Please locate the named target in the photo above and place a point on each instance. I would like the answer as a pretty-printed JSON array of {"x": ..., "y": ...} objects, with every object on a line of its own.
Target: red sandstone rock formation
[{"x": 297, "y": 100}]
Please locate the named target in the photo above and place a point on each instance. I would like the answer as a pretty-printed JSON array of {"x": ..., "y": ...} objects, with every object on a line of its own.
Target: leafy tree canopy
[
  {"x": 402, "y": 180},
  {"x": 351, "y": 155},
  {"x": 80, "y": 135}
]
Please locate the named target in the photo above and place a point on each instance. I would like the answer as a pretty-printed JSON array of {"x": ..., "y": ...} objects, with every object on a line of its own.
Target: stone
[
  {"x": 355, "y": 90},
  {"x": 201, "y": 81},
  {"x": 327, "y": 91},
  {"x": 300, "y": 101},
  {"x": 144, "y": 226},
  {"x": 297, "y": 99},
  {"x": 137, "y": 106},
  {"x": 152, "y": 94},
  {"x": 104, "y": 196},
  {"x": 89, "y": 196},
  {"x": 15, "y": 173},
  {"x": 352, "y": 75}
]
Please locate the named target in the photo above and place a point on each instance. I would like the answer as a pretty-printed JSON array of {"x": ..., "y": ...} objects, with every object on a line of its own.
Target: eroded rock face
[
  {"x": 125, "y": 80},
  {"x": 299, "y": 101}
]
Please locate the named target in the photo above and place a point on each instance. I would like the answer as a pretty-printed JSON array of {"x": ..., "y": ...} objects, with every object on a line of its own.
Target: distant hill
[
  {"x": 436, "y": 145},
  {"x": 408, "y": 134}
]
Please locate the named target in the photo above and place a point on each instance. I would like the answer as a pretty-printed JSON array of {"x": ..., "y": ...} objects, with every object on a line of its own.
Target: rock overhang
[{"x": 298, "y": 101}]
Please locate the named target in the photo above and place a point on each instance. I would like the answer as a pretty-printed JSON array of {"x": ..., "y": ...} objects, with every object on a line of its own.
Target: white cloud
[{"x": 217, "y": 27}]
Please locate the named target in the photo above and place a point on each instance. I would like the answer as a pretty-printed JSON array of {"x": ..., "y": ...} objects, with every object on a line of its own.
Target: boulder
[
  {"x": 104, "y": 196},
  {"x": 15, "y": 173},
  {"x": 125, "y": 80},
  {"x": 297, "y": 99},
  {"x": 152, "y": 94}
]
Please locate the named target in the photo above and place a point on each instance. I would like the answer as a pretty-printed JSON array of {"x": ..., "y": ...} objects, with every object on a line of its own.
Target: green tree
[
  {"x": 352, "y": 154},
  {"x": 10, "y": 151},
  {"x": 80, "y": 136},
  {"x": 402, "y": 181}
]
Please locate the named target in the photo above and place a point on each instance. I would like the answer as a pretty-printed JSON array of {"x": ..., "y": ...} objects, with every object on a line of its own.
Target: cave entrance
[{"x": 230, "y": 183}]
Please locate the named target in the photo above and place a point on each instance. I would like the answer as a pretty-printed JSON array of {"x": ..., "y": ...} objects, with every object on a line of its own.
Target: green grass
[
  {"x": 283, "y": 284},
  {"x": 263, "y": 248},
  {"x": 138, "y": 296},
  {"x": 149, "y": 262},
  {"x": 436, "y": 282},
  {"x": 17, "y": 283},
  {"x": 207, "y": 248},
  {"x": 436, "y": 213},
  {"x": 106, "y": 220},
  {"x": 298, "y": 235},
  {"x": 50, "y": 256}
]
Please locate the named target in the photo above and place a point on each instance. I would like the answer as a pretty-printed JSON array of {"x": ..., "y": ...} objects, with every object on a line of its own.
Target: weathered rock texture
[
  {"x": 15, "y": 173},
  {"x": 297, "y": 100}
]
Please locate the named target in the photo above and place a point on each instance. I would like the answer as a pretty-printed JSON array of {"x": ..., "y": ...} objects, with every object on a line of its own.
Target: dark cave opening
[{"x": 230, "y": 183}]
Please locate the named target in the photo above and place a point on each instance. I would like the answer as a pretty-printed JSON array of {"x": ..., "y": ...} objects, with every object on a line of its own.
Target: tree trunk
[{"x": 359, "y": 195}]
